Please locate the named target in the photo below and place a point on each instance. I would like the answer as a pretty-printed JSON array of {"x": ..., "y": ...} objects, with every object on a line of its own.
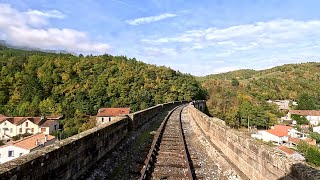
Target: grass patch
[{"x": 143, "y": 138}]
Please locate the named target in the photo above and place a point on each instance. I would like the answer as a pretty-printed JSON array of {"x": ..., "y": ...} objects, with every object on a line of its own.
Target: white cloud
[
  {"x": 49, "y": 14},
  {"x": 272, "y": 34},
  {"x": 158, "y": 51},
  {"x": 31, "y": 29},
  {"x": 150, "y": 19},
  {"x": 224, "y": 69}
]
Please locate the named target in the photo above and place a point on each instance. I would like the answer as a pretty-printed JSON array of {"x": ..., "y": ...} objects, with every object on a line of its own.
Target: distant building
[
  {"x": 277, "y": 134},
  {"x": 108, "y": 114},
  {"x": 313, "y": 116},
  {"x": 316, "y": 129},
  {"x": 282, "y": 104},
  {"x": 24, "y": 146},
  {"x": 12, "y": 126}
]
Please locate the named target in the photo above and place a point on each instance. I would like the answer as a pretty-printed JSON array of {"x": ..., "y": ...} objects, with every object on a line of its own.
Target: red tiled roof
[
  {"x": 305, "y": 112},
  {"x": 30, "y": 141},
  {"x": 294, "y": 140},
  {"x": 20, "y": 120},
  {"x": 286, "y": 150},
  {"x": 279, "y": 130},
  {"x": 109, "y": 112},
  {"x": 307, "y": 140}
]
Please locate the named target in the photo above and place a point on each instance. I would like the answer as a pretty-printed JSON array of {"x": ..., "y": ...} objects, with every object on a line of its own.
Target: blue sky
[{"x": 197, "y": 37}]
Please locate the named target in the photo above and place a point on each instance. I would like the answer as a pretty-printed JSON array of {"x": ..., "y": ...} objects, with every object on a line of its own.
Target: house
[
  {"x": 294, "y": 141},
  {"x": 109, "y": 114},
  {"x": 316, "y": 129},
  {"x": 12, "y": 126},
  {"x": 24, "y": 146},
  {"x": 313, "y": 116},
  {"x": 283, "y": 104},
  {"x": 278, "y": 134}
]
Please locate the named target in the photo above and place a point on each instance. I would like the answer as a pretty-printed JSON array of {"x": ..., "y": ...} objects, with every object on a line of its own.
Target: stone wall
[
  {"x": 71, "y": 157},
  {"x": 255, "y": 159}
]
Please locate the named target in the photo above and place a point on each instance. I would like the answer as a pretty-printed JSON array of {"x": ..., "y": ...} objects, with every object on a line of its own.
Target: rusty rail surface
[{"x": 168, "y": 156}]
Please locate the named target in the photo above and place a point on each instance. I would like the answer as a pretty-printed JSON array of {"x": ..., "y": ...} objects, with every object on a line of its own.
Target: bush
[
  {"x": 316, "y": 136},
  {"x": 311, "y": 153},
  {"x": 19, "y": 136},
  {"x": 300, "y": 119}
]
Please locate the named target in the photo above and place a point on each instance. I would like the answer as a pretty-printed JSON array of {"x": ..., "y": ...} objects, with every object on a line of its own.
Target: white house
[
  {"x": 108, "y": 114},
  {"x": 313, "y": 116},
  {"x": 24, "y": 146},
  {"x": 278, "y": 134},
  {"x": 316, "y": 129},
  {"x": 12, "y": 126}
]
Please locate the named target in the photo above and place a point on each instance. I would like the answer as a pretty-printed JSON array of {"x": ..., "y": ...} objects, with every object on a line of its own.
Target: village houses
[
  {"x": 313, "y": 116},
  {"x": 24, "y": 146},
  {"x": 13, "y": 126},
  {"x": 281, "y": 134},
  {"x": 109, "y": 114}
]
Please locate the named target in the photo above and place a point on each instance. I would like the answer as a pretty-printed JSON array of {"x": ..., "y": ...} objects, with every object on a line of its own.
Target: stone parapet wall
[
  {"x": 255, "y": 159},
  {"x": 71, "y": 157}
]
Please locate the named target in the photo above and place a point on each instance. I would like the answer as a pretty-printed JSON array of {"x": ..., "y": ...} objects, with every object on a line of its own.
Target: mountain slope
[{"x": 237, "y": 95}]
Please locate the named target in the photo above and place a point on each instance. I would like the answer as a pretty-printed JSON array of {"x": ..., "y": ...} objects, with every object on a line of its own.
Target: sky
[{"x": 197, "y": 37}]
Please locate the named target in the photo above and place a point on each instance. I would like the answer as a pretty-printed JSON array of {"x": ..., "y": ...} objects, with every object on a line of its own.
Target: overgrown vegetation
[
  {"x": 19, "y": 136},
  {"x": 311, "y": 153},
  {"x": 33, "y": 83}
]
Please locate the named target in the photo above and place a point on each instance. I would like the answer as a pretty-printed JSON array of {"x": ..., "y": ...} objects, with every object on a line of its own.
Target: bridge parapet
[
  {"x": 254, "y": 159},
  {"x": 71, "y": 157}
]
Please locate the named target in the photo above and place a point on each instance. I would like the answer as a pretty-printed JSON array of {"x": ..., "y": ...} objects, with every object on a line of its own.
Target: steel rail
[{"x": 150, "y": 161}]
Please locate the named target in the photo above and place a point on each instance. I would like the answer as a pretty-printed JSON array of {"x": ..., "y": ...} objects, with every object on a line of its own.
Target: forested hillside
[
  {"x": 241, "y": 95},
  {"x": 34, "y": 83}
]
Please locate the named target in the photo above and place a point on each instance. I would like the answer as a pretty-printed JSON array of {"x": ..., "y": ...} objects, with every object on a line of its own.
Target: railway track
[{"x": 168, "y": 157}]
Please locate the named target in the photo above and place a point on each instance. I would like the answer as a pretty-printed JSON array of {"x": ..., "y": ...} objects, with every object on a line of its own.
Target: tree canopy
[{"x": 34, "y": 83}]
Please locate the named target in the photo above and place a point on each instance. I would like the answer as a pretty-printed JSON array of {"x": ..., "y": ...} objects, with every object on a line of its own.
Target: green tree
[
  {"x": 306, "y": 102},
  {"x": 235, "y": 82},
  {"x": 316, "y": 136}
]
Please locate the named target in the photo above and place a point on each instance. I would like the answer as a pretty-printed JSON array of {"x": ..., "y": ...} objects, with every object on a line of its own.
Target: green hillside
[
  {"x": 33, "y": 83},
  {"x": 234, "y": 94}
]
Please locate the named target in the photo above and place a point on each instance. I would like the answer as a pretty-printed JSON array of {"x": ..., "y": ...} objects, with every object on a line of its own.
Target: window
[
  {"x": 26, "y": 124},
  {"x": 55, "y": 127},
  {"x": 11, "y": 130},
  {"x": 20, "y": 154},
  {"x": 43, "y": 129},
  {"x": 20, "y": 130},
  {"x": 102, "y": 120},
  {"x": 109, "y": 119},
  {"x": 5, "y": 123},
  {"x": 32, "y": 129},
  {"x": 10, "y": 154}
]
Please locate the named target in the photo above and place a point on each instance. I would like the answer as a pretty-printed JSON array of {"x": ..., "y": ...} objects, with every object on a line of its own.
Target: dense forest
[
  {"x": 34, "y": 83},
  {"x": 240, "y": 96}
]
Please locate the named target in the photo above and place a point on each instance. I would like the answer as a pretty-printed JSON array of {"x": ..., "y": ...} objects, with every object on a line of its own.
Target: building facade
[
  {"x": 13, "y": 126},
  {"x": 24, "y": 146},
  {"x": 109, "y": 114}
]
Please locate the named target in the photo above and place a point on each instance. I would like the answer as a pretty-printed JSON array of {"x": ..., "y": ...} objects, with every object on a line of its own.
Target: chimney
[
  {"x": 42, "y": 117},
  {"x": 45, "y": 138},
  {"x": 37, "y": 142}
]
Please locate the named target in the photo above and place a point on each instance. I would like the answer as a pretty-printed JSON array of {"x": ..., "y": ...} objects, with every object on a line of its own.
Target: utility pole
[{"x": 248, "y": 123}]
